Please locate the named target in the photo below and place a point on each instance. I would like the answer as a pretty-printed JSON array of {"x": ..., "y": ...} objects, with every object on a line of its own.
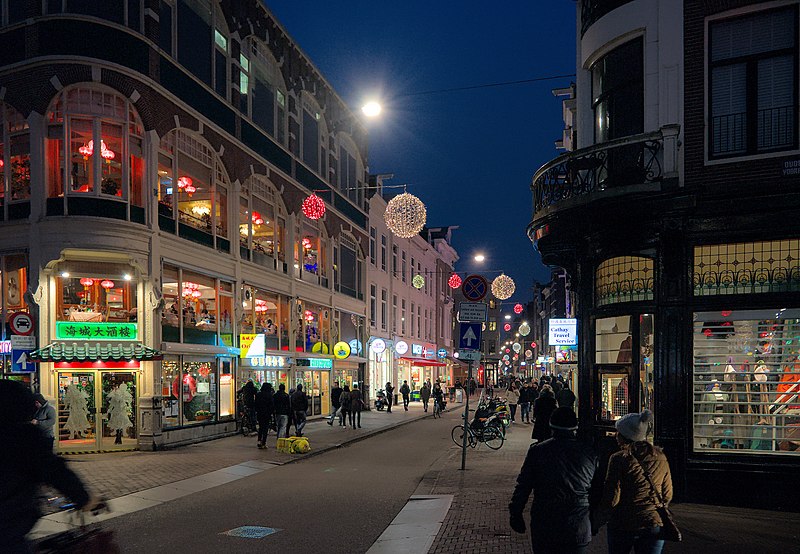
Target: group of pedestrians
[
  {"x": 275, "y": 409},
  {"x": 346, "y": 403},
  {"x": 560, "y": 472}
]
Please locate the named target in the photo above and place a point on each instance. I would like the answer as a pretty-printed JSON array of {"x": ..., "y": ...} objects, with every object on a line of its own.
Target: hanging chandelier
[
  {"x": 454, "y": 281},
  {"x": 418, "y": 281},
  {"x": 405, "y": 215},
  {"x": 503, "y": 287},
  {"x": 313, "y": 207}
]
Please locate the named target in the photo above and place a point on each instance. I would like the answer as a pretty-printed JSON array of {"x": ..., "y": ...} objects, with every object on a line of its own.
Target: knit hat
[
  {"x": 563, "y": 419},
  {"x": 634, "y": 427}
]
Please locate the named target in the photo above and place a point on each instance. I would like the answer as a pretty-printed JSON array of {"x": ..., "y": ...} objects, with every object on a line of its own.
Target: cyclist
[{"x": 438, "y": 397}]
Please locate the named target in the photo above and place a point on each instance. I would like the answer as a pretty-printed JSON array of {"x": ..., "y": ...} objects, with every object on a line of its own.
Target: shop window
[
  {"x": 747, "y": 268},
  {"x": 624, "y": 279},
  {"x": 752, "y": 83},
  {"x": 96, "y": 296},
  {"x": 746, "y": 382},
  {"x": 373, "y": 306},
  {"x": 313, "y": 329},
  {"x": 646, "y": 364},
  {"x": 261, "y": 231},
  {"x": 190, "y": 390}
]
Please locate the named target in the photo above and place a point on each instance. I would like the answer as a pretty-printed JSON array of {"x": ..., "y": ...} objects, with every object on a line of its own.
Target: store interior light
[
  {"x": 127, "y": 277},
  {"x": 65, "y": 274}
]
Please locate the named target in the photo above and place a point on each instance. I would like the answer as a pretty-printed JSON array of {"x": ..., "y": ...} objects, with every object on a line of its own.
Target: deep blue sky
[{"x": 469, "y": 155}]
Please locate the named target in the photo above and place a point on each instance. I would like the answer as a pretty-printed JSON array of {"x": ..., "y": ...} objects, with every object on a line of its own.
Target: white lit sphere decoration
[
  {"x": 405, "y": 215},
  {"x": 503, "y": 287},
  {"x": 516, "y": 347},
  {"x": 524, "y": 329},
  {"x": 418, "y": 281}
]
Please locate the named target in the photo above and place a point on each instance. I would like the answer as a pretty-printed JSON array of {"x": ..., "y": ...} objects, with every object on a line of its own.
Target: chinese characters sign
[{"x": 71, "y": 330}]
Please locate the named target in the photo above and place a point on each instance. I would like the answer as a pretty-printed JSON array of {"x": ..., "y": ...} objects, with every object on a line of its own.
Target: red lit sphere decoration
[
  {"x": 507, "y": 350},
  {"x": 454, "y": 281},
  {"x": 184, "y": 182},
  {"x": 313, "y": 207},
  {"x": 507, "y": 327},
  {"x": 518, "y": 308}
]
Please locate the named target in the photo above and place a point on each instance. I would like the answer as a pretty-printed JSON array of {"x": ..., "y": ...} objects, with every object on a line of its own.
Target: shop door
[
  {"x": 96, "y": 411},
  {"x": 325, "y": 387}
]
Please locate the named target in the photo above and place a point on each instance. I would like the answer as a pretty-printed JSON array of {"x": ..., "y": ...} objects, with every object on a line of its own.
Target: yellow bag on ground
[{"x": 300, "y": 445}]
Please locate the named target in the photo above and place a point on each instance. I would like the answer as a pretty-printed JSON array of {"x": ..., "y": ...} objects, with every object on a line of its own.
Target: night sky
[{"x": 469, "y": 155}]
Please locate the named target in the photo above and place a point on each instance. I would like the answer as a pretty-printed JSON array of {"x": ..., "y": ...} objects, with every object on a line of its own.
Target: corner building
[
  {"x": 152, "y": 174},
  {"x": 675, "y": 216}
]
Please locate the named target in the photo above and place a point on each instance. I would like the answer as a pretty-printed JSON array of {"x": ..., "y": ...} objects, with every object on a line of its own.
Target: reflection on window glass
[
  {"x": 112, "y": 157},
  {"x": 81, "y": 152},
  {"x": 170, "y": 390},
  {"x": 613, "y": 340}
]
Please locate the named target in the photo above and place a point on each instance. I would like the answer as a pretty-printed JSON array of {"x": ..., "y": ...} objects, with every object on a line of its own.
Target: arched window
[
  {"x": 262, "y": 224},
  {"x": 310, "y": 251},
  {"x": 267, "y": 91},
  {"x": 350, "y": 170},
  {"x": 94, "y": 149},
  {"x": 15, "y": 163},
  {"x": 193, "y": 189},
  {"x": 624, "y": 279},
  {"x": 314, "y": 133}
]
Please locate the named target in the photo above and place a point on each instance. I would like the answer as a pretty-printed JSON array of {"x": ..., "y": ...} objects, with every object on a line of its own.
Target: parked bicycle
[
  {"x": 80, "y": 538},
  {"x": 489, "y": 434},
  {"x": 246, "y": 420}
]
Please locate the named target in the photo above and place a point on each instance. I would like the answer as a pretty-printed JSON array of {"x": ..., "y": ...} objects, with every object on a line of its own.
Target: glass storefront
[
  {"x": 196, "y": 390},
  {"x": 746, "y": 381}
]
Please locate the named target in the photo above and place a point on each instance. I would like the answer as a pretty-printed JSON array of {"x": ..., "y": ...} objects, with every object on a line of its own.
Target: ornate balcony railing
[
  {"x": 592, "y": 10},
  {"x": 634, "y": 160}
]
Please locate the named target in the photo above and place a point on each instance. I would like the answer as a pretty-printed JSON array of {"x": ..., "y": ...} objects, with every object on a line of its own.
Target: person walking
[
  {"x": 438, "y": 396},
  {"x": 512, "y": 397},
  {"x": 406, "y": 392},
  {"x": 248, "y": 392},
  {"x": 525, "y": 403},
  {"x": 542, "y": 410},
  {"x": 283, "y": 407},
  {"x": 389, "y": 397},
  {"x": 45, "y": 417},
  {"x": 356, "y": 403},
  {"x": 425, "y": 395},
  {"x": 265, "y": 408},
  {"x": 559, "y": 473},
  {"x": 299, "y": 409},
  {"x": 336, "y": 394},
  {"x": 344, "y": 406},
  {"x": 565, "y": 397},
  {"x": 637, "y": 483}
]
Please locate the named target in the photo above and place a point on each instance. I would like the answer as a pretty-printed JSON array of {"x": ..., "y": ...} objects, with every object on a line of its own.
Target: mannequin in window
[
  {"x": 761, "y": 386},
  {"x": 625, "y": 348},
  {"x": 713, "y": 404}
]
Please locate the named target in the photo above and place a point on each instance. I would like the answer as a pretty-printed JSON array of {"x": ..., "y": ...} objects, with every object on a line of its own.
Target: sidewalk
[
  {"x": 116, "y": 474},
  {"x": 477, "y": 521}
]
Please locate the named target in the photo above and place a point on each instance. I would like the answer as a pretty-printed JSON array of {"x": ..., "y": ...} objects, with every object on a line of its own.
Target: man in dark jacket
[
  {"x": 336, "y": 394},
  {"x": 542, "y": 410},
  {"x": 26, "y": 462},
  {"x": 559, "y": 472},
  {"x": 264, "y": 410},
  {"x": 566, "y": 398},
  {"x": 389, "y": 397},
  {"x": 406, "y": 392},
  {"x": 283, "y": 408},
  {"x": 299, "y": 407}
]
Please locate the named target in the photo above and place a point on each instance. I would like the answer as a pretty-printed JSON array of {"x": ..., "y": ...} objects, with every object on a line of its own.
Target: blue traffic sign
[
  {"x": 20, "y": 362},
  {"x": 469, "y": 336},
  {"x": 475, "y": 288}
]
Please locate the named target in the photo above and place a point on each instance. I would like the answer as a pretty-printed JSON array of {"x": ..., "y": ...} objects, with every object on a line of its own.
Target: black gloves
[{"x": 517, "y": 523}]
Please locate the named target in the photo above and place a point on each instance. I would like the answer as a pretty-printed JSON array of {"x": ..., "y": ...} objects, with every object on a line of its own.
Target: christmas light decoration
[
  {"x": 524, "y": 329},
  {"x": 418, "y": 281},
  {"x": 405, "y": 215},
  {"x": 88, "y": 149},
  {"x": 309, "y": 315},
  {"x": 454, "y": 281},
  {"x": 518, "y": 308},
  {"x": 507, "y": 327},
  {"x": 190, "y": 190},
  {"x": 313, "y": 207},
  {"x": 503, "y": 287},
  {"x": 516, "y": 347},
  {"x": 528, "y": 353}
]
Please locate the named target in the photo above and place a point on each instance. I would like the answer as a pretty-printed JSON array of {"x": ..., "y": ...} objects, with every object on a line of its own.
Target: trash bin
[
  {"x": 415, "y": 396},
  {"x": 150, "y": 415},
  {"x": 459, "y": 395}
]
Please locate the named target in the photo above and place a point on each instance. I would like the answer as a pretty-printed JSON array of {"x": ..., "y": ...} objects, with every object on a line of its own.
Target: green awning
[{"x": 97, "y": 351}]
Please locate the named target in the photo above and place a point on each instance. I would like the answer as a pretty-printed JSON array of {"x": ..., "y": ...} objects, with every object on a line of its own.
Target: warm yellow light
[
  {"x": 371, "y": 109},
  {"x": 479, "y": 257}
]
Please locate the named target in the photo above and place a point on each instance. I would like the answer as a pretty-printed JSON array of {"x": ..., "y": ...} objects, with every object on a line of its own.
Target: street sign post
[
  {"x": 20, "y": 363},
  {"x": 21, "y": 323},
  {"x": 472, "y": 311},
  {"x": 475, "y": 288},
  {"x": 469, "y": 336},
  {"x": 466, "y": 420},
  {"x": 469, "y": 355}
]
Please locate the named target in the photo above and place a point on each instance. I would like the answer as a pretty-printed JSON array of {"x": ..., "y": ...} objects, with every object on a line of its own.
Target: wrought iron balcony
[{"x": 635, "y": 160}]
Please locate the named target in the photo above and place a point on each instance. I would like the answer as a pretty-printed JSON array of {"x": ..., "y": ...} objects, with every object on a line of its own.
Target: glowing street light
[
  {"x": 371, "y": 109},
  {"x": 479, "y": 257}
]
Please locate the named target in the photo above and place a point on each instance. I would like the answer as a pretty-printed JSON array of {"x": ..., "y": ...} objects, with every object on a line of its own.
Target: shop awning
[
  {"x": 423, "y": 362},
  {"x": 89, "y": 352}
]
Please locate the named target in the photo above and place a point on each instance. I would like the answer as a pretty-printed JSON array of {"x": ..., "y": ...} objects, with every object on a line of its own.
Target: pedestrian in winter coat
[
  {"x": 438, "y": 395},
  {"x": 542, "y": 410},
  {"x": 389, "y": 397},
  {"x": 45, "y": 416},
  {"x": 565, "y": 398},
  {"x": 406, "y": 392},
  {"x": 512, "y": 397},
  {"x": 525, "y": 403},
  {"x": 283, "y": 408},
  {"x": 299, "y": 408},
  {"x": 425, "y": 395},
  {"x": 336, "y": 393},
  {"x": 249, "y": 392},
  {"x": 629, "y": 503},
  {"x": 265, "y": 408},
  {"x": 559, "y": 473},
  {"x": 344, "y": 406},
  {"x": 356, "y": 403}
]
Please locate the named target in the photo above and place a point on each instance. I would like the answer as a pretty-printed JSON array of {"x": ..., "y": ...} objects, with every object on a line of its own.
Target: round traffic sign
[
  {"x": 475, "y": 288},
  {"x": 21, "y": 323}
]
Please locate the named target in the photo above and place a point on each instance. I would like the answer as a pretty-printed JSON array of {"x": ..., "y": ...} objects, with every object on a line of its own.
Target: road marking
[{"x": 414, "y": 529}]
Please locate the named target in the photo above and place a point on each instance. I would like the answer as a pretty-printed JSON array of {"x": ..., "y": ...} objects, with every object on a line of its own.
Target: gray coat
[{"x": 46, "y": 416}]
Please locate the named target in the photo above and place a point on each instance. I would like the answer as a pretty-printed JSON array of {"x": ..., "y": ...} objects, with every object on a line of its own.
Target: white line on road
[{"x": 414, "y": 529}]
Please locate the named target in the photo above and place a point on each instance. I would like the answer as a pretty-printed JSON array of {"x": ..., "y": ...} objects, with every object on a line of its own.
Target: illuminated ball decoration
[
  {"x": 313, "y": 207},
  {"x": 405, "y": 215},
  {"x": 507, "y": 327},
  {"x": 524, "y": 329},
  {"x": 454, "y": 281},
  {"x": 528, "y": 353},
  {"x": 516, "y": 347},
  {"x": 503, "y": 287},
  {"x": 418, "y": 281},
  {"x": 518, "y": 308}
]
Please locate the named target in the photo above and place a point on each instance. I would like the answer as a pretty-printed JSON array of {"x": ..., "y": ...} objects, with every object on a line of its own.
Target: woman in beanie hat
[
  {"x": 629, "y": 503},
  {"x": 542, "y": 410},
  {"x": 559, "y": 473}
]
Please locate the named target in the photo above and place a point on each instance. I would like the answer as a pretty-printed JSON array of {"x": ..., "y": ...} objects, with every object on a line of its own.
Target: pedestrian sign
[
  {"x": 469, "y": 336},
  {"x": 475, "y": 288},
  {"x": 20, "y": 361}
]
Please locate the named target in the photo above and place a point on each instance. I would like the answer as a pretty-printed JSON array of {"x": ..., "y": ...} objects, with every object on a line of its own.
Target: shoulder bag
[{"x": 669, "y": 529}]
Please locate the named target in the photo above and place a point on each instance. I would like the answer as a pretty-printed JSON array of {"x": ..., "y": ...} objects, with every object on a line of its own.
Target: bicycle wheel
[
  {"x": 498, "y": 426},
  {"x": 493, "y": 438},
  {"x": 457, "y": 435}
]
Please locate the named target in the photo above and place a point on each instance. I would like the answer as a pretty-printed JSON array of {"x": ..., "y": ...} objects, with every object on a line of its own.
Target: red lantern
[
  {"x": 184, "y": 182},
  {"x": 726, "y": 313},
  {"x": 190, "y": 189},
  {"x": 507, "y": 327},
  {"x": 306, "y": 242},
  {"x": 313, "y": 207},
  {"x": 107, "y": 284},
  {"x": 257, "y": 219},
  {"x": 454, "y": 281},
  {"x": 518, "y": 308},
  {"x": 87, "y": 282}
]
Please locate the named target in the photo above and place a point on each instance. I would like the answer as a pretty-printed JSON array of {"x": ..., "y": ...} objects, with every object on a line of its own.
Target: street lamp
[
  {"x": 479, "y": 257},
  {"x": 371, "y": 109}
]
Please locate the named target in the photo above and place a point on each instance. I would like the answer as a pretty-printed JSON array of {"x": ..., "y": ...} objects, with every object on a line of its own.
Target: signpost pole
[{"x": 466, "y": 419}]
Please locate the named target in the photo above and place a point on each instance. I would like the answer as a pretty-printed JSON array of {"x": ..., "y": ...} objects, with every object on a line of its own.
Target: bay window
[{"x": 261, "y": 224}]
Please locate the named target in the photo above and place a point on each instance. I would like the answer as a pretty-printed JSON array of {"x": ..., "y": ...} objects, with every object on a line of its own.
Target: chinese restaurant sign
[{"x": 70, "y": 330}]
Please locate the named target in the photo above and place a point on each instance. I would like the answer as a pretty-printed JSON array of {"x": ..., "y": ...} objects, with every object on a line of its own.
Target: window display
[
  {"x": 746, "y": 381},
  {"x": 190, "y": 390}
]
